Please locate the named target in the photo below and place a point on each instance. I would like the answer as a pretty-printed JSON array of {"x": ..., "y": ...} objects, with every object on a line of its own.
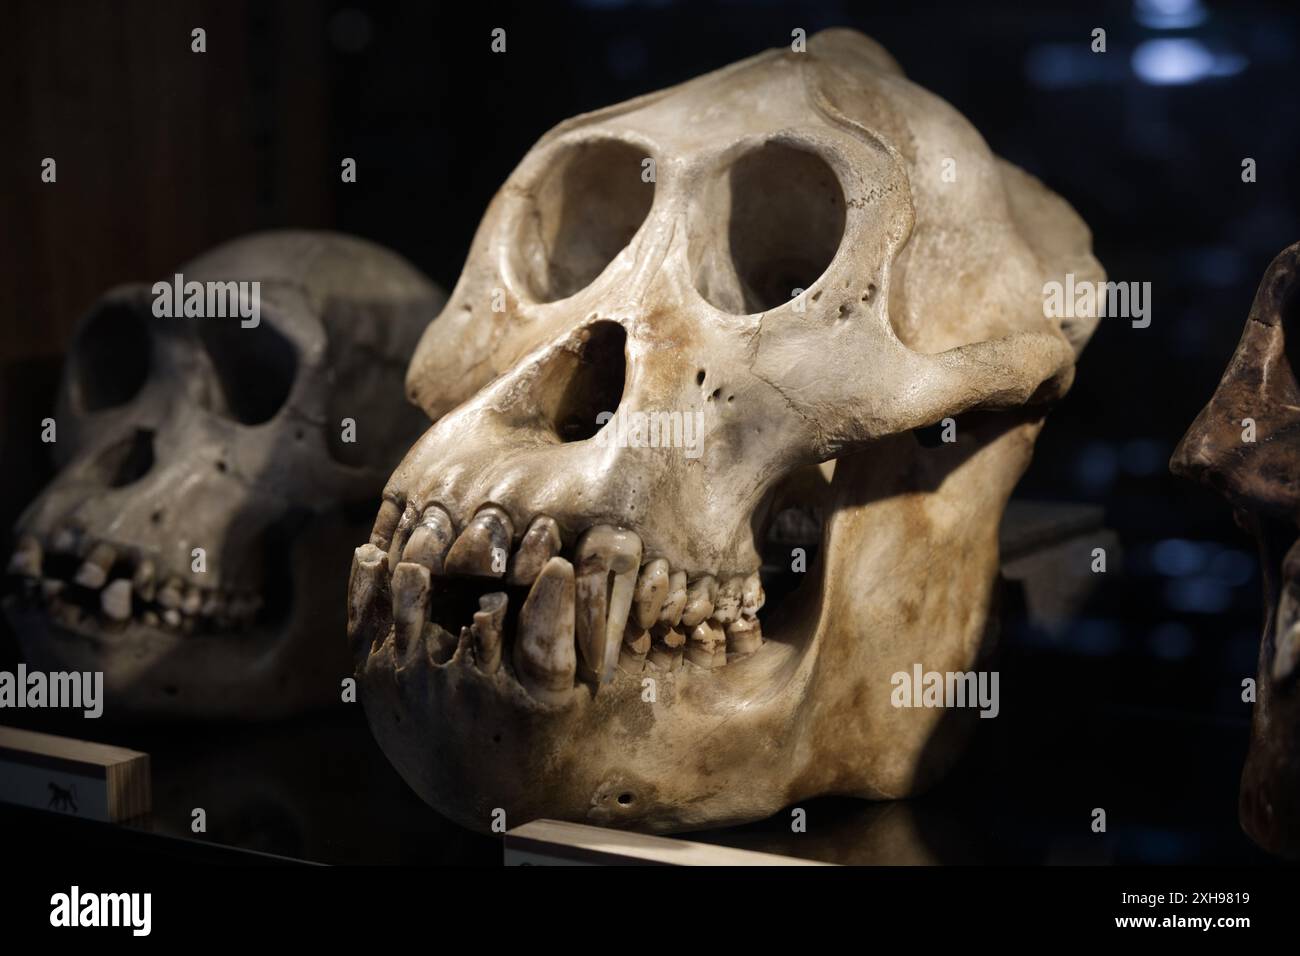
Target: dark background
[{"x": 163, "y": 153}]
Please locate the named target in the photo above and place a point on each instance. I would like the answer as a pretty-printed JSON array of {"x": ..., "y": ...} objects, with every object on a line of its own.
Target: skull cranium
[
  {"x": 204, "y": 475},
  {"x": 616, "y": 670}
]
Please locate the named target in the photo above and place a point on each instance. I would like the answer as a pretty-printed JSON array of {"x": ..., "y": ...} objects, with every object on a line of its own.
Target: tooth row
[
  {"x": 178, "y": 605},
  {"x": 603, "y": 611}
]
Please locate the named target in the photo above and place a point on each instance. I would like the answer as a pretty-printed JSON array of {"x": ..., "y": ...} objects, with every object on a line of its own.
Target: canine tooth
[
  {"x": 726, "y": 608},
  {"x": 411, "y": 583},
  {"x": 192, "y": 601},
  {"x": 93, "y": 572},
  {"x": 483, "y": 546},
  {"x": 368, "y": 607},
  {"x": 486, "y": 630},
  {"x": 143, "y": 580},
  {"x": 699, "y": 601},
  {"x": 115, "y": 600},
  {"x": 603, "y": 607},
  {"x": 385, "y": 524},
  {"x": 432, "y": 537},
  {"x": 1286, "y": 653},
  {"x": 544, "y": 657},
  {"x": 651, "y": 592},
  {"x": 170, "y": 594},
  {"x": 541, "y": 543},
  {"x": 26, "y": 559},
  {"x": 666, "y": 647},
  {"x": 675, "y": 602},
  {"x": 744, "y": 636},
  {"x": 707, "y": 638},
  {"x": 752, "y": 596},
  {"x": 171, "y": 617}
]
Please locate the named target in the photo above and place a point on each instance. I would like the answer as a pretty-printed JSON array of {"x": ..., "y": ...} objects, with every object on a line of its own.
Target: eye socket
[
  {"x": 770, "y": 224},
  {"x": 111, "y": 357},
  {"x": 584, "y": 211},
  {"x": 255, "y": 366}
]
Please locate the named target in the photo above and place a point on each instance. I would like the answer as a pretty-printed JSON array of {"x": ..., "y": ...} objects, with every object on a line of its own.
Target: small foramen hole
[
  {"x": 699, "y": 377},
  {"x": 626, "y": 799}
]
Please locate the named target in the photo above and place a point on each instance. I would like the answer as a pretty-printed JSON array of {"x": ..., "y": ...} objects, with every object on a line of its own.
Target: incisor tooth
[
  {"x": 675, "y": 602},
  {"x": 431, "y": 539},
  {"x": 540, "y": 544},
  {"x": 410, "y": 585},
  {"x": 752, "y": 596},
  {"x": 603, "y": 606},
  {"x": 706, "y": 640},
  {"x": 26, "y": 559},
  {"x": 115, "y": 600},
  {"x": 486, "y": 631},
  {"x": 1286, "y": 652},
  {"x": 651, "y": 592},
  {"x": 484, "y": 545},
  {"x": 93, "y": 572},
  {"x": 666, "y": 646},
  {"x": 368, "y": 606},
  {"x": 699, "y": 601},
  {"x": 544, "y": 657},
  {"x": 381, "y": 536},
  {"x": 744, "y": 636}
]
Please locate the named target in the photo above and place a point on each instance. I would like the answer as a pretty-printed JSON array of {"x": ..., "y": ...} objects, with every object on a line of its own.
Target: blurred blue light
[
  {"x": 1177, "y": 558},
  {"x": 1169, "y": 14},
  {"x": 1233, "y": 568},
  {"x": 1198, "y": 595},
  {"x": 1095, "y": 637},
  {"x": 1171, "y": 641},
  {"x": 1179, "y": 61},
  {"x": 1144, "y": 456},
  {"x": 1060, "y": 66},
  {"x": 1096, "y": 467}
]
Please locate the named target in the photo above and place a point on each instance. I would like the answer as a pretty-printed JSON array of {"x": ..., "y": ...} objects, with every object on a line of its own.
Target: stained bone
[
  {"x": 544, "y": 657},
  {"x": 727, "y": 606},
  {"x": 431, "y": 539},
  {"x": 651, "y": 592},
  {"x": 675, "y": 602},
  {"x": 410, "y": 586},
  {"x": 486, "y": 631},
  {"x": 607, "y": 560},
  {"x": 93, "y": 572},
  {"x": 115, "y": 600},
  {"x": 26, "y": 559},
  {"x": 482, "y": 548},
  {"x": 699, "y": 601},
  {"x": 541, "y": 542}
]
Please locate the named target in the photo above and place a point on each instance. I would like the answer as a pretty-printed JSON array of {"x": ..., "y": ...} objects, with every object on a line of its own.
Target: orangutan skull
[
  {"x": 184, "y": 546},
  {"x": 1246, "y": 445},
  {"x": 801, "y": 280}
]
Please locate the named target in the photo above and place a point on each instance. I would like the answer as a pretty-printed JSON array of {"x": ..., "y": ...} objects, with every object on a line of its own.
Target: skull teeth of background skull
[
  {"x": 97, "y": 584},
  {"x": 557, "y": 614}
]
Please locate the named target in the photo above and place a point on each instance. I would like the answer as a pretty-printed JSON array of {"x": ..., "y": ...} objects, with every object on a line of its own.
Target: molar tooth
[
  {"x": 410, "y": 585},
  {"x": 666, "y": 647},
  {"x": 651, "y": 592},
  {"x": 115, "y": 600},
  {"x": 482, "y": 548},
  {"x": 675, "y": 602},
  {"x": 385, "y": 524},
  {"x": 752, "y": 596},
  {"x": 1286, "y": 652},
  {"x": 544, "y": 657},
  {"x": 143, "y": 580},
  {"x": 699, "y": 601},
  {"x": 541, "y": 543},
  {"x": 431, "y": 539},
  {"x": 744, "y": 636},
  {"x": 726, "y": 608},
  {"x": 707, "y": 639},
  {"x": 26, "y": 559},
  {"x": 486, "y": 631},
  {"x": 170, "y": 594},
  {"x": 603, "y": 607},
  {"x": 93, "y": 572},
  {"x": 368, "y": 605}
]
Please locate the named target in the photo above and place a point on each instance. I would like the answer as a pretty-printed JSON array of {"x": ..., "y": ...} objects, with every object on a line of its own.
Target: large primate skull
[
  {"x": 175, "y": 434},
  {"x": 1246, "y": 445},
  {"x": 617, "y": 669}
]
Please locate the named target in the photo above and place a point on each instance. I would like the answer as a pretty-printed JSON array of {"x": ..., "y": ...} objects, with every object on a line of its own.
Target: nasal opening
[{"x": 589, "y": 382}]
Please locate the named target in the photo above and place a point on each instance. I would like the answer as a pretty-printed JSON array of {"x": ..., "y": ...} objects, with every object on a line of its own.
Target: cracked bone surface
[
  {"x": 186, "y": 432},
  {"x": 1260, "y": 479},
  {"x": 672, "y": 664}
]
